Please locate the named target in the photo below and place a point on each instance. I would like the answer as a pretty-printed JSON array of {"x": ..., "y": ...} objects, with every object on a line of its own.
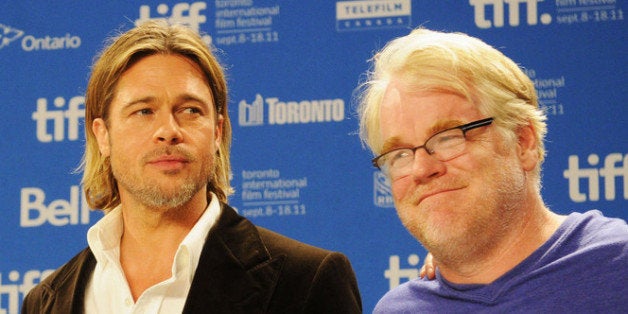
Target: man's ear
[
  {"x": 218, "y": 131},
  {"x": 99, "y": 127},
  {"x": 527, "y": 147}
]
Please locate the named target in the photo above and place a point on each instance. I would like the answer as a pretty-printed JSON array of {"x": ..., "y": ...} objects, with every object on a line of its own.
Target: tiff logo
[
  {"x": 181, "y": 13},
  {"x": 395, "y": 273},
  {"x": 481, "y": 8},
  {"x": 73, "y": 114},
  {"x": 15, "y": 291},
  {"x": 251, "y": 114},
  {"x": 611, "y": 170}
]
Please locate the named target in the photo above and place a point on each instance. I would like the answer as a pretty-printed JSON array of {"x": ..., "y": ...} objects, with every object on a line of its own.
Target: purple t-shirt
[{"x": 582, "y": 268}]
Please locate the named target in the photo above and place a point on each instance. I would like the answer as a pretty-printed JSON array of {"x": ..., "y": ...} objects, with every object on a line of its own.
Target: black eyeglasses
[{"x": 444, "y": 145}]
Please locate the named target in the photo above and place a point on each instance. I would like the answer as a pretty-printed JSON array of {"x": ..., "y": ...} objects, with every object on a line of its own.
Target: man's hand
[{"x": 428, "y": 269}]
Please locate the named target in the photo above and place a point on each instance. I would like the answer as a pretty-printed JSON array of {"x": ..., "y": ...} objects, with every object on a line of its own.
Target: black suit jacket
[{"x": 242, "y": 269}]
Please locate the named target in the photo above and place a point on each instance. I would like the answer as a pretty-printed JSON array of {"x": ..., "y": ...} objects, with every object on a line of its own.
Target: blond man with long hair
[{"x": 157, "y": 162}]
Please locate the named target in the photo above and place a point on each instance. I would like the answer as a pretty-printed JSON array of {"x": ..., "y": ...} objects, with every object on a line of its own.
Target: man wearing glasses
[{"x": 457, "y": 130}]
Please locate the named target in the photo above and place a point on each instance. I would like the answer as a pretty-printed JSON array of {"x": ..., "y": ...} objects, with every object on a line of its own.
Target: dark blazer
[{"x": 242, "y": 269}]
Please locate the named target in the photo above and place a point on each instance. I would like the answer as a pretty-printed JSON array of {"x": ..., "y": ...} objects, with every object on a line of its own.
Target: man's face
[
  {"x": 457, "y": 206},
  {"x": 162, "y": 134}
]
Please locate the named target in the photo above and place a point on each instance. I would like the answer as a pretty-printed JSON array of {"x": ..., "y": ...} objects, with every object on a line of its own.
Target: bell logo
[
  {"x": 34, "y": 212},
  {"x": 498, "y": 6}
]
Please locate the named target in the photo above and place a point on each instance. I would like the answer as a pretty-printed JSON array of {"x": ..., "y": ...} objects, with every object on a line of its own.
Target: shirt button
[{"x": 128, "y": 302}]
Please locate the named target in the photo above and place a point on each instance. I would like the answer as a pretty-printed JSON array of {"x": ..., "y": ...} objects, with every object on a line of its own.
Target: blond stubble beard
[
  {"x": 470, "y": 234},
  {"x": 152, "y": 195}
]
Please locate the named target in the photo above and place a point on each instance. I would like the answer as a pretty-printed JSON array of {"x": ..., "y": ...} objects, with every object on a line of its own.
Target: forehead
[
  {"x": 162, "y": 77},
  {"x": 411, "y": 116}
]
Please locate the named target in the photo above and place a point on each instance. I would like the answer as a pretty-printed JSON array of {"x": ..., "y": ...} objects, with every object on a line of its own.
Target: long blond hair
[{"x": 147, "y": 39}]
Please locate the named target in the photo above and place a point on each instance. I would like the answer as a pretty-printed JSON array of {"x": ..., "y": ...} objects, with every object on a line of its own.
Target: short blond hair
[
  {"x": 147, "y": 39},
  {"x": 456, "y": 63}
]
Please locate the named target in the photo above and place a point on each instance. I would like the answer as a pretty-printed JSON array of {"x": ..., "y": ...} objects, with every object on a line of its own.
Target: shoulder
[
  {"x": 71, "y": 276},
  {"x": 325, "y": 277},
  {"x": 304, "y": 260},
  {"x": 407, "y": 297},
  {"x": 594, "y": 229},
  {"x": 280, "y": 244}
]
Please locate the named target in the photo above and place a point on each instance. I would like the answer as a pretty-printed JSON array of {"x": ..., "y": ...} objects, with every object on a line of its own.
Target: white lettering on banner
[
  {"x": 30, "y": 43},
  {"x": 182, "y": 13},
  {"x": 480, "y": 8},
  {"x": 306, "y": 111},
  {"x": 290, "y": 112},
  {"x": 9, "y": 34},
  {"x": 75, "y": 111},
  {"x": 372, "y": 14},
  {"x": 609, "y": 172},
  {"x": 34, "y": 212},
  {"x": 395, "y": 273},
  {"x": 265, "y": 193},
  {"x": 587, "y": 11},
  {"x": 13, "y": 292}
]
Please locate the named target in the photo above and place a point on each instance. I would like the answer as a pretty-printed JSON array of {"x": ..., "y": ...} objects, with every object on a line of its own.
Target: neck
[
  {"x": 486, "y": 265},
  {"x": 151, "y": 239}
]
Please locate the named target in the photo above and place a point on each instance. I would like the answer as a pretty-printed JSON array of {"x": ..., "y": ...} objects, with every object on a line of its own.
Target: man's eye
[
  {"x": 398, "y": 155},
  {"x": 448, "y": 139},
  {"x": 192, "y": 110},
  {"x": 144, "y": 112}
]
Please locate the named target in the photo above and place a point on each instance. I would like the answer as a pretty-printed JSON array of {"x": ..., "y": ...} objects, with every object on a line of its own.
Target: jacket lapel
[{"x": 235, "y": 271}]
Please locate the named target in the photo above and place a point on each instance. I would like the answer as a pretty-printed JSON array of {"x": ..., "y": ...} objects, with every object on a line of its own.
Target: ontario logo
[
  {"x": 373, "y": 14},
  {"x": 9, "y": 34},
  {"x": 382, "y": 195},
  {"x": 279, "y": 112}
]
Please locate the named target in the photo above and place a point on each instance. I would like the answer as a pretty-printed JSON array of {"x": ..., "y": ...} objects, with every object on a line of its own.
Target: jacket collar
[{"x": 235, "y": 271}]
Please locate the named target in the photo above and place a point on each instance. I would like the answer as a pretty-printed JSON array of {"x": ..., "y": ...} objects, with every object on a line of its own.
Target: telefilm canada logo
[
  {"x": 373, "y": 14},
  {"x": 276, "y": 111}
]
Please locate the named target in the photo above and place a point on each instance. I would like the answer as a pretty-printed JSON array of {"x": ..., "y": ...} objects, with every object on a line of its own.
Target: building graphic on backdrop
[
  {"x": 276, "y": 111},
  {"x": 373, "y": 14}
]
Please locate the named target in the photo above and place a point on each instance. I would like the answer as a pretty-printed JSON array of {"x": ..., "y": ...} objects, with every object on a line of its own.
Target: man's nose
[
  {"x": 426, "y": 167},
  {"x": 168, "y": 130}
]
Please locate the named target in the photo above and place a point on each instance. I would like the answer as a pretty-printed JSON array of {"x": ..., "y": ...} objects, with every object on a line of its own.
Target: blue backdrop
[{"x": 298, "y": 165}]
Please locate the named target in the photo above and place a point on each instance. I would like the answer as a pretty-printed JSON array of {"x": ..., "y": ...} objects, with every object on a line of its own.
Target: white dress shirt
[{"x": 108, "y": 291}]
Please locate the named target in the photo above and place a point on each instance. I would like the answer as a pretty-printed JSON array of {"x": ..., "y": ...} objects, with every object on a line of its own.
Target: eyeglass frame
[{"x": 464, "y": 128}]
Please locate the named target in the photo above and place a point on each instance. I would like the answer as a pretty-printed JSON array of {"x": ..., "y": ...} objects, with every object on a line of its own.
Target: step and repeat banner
[{"x": 298, "y": 165}]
